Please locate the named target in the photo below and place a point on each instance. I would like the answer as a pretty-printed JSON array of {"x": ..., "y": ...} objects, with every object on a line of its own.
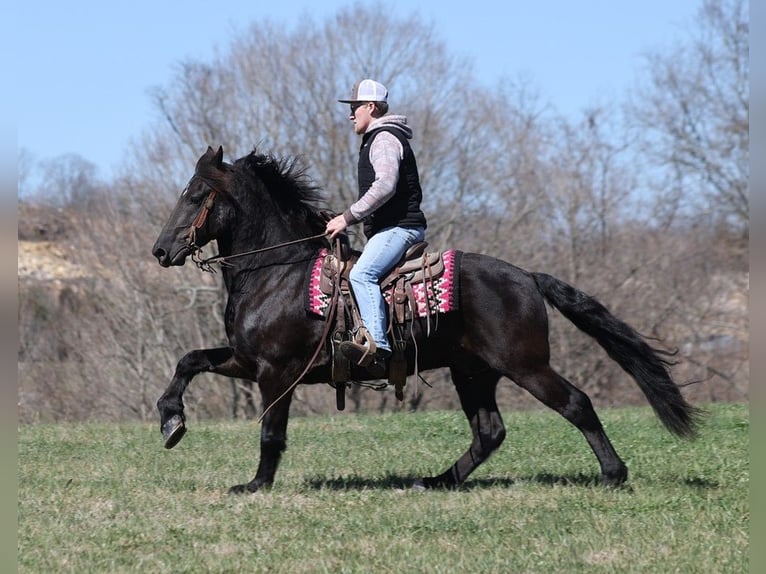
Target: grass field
[{"x": 106, "y": 498}]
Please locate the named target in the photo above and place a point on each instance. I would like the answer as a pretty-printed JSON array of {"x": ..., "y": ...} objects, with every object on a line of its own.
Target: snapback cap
[{"x": 367, "y": 91}]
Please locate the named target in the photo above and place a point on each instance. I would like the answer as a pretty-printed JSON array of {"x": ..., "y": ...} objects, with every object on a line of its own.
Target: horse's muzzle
[
  {"x": 166, "y": 259},
  {"x": 162, "y": 256}
]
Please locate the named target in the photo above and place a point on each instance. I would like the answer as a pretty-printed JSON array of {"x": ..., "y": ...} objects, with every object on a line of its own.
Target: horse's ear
[{"x": 218, "y": 156}]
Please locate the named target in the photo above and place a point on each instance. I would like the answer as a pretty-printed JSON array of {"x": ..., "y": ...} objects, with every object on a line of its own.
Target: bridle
[{"x": 199, "y": 221}]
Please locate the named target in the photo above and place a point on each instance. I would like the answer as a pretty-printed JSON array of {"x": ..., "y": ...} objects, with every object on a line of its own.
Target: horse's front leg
[
  {"x": 273, "y": 437},
  {"x": 171, "y": 406}
]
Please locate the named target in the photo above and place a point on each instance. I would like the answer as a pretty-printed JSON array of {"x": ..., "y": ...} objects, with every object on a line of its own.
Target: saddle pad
[{"x": 442, "y": 293}]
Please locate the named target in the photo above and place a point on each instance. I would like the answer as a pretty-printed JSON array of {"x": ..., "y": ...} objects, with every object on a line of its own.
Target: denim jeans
[{"x": 378, "y": 257}]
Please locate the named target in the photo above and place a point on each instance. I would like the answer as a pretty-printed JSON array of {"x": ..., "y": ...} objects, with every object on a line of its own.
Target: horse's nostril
[{"x": 158, "y": 252}]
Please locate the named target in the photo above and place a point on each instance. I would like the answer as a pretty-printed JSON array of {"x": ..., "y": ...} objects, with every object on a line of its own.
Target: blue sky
[{"x": 84, "y": 68}]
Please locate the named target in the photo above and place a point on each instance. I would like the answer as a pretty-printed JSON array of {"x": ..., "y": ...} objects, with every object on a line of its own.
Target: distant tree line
[{"x": 642, "y": 203}]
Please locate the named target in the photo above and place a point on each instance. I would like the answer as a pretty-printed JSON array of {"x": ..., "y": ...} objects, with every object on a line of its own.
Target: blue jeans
[{"x": 378, "y": 257}]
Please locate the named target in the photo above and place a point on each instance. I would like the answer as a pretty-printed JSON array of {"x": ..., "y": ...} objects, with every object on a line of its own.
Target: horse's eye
[
  {"x": 196, "y": 198},
  {"x": 195, "y": 194}
]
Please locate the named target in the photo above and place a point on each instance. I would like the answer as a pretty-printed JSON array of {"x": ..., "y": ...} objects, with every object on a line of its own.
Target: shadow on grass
[
  {"x": 580, "y": 479},
  {"x": 701, "y": 483},
  {"x": 398, "y": 482},
  {"x": 389, "y": 482},
  {"x": 405, "y": 482}
]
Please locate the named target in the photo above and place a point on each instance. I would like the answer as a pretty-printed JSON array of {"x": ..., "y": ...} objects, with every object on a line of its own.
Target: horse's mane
[{"x": 288, "y": 184}]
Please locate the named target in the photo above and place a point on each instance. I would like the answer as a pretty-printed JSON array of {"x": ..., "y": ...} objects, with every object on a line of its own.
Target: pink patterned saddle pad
[{"x": 437, "y": 294}]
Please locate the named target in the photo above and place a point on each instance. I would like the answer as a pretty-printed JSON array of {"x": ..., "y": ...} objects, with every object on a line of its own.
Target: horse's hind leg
[
  {"x": 477, "y": 397},
  {"x": 170, "y": 404},
  {"x": 556, "y": 392}
]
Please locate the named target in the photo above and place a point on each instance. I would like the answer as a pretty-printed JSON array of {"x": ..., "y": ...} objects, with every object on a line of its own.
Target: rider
[{"x": 388, "y": 205}]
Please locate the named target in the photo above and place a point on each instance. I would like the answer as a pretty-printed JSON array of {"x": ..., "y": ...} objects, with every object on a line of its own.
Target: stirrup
[{"x": 357, "y": 353}]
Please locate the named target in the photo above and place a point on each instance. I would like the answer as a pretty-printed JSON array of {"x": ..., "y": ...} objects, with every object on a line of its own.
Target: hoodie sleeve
[{"x": 386, "y": 153}]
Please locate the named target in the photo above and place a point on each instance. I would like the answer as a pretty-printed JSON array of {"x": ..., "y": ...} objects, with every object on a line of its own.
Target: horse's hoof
[
  {"x": 418, "y": 486},
  {"x": 253, "y": 486},
  {"x": 173, "y": 431},
  {"x": 239, "y": 489},
  {"x": 616, "y": 478}
]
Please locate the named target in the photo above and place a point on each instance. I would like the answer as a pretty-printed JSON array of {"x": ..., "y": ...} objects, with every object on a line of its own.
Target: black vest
[{"x": 403, "y": 208}]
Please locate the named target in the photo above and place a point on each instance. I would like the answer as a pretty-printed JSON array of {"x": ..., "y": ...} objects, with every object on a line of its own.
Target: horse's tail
[{"x": 623, "y": 344}]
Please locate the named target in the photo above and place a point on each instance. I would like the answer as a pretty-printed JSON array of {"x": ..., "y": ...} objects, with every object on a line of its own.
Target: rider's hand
[{"x": 336, "y": 225}]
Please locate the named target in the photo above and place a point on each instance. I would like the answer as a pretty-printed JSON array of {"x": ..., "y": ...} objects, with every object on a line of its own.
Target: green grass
[{"x": 107, "y": 498}]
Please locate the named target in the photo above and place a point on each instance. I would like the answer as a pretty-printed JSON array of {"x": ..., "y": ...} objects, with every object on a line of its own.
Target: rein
[{"x": 206, "y": 264}]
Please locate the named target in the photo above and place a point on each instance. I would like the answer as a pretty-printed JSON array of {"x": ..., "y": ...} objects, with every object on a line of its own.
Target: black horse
[{"x": 499, "y": 330}]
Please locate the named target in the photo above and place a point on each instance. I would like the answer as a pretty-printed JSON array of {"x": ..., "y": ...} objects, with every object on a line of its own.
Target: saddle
[{"x": 417, "y": 270}]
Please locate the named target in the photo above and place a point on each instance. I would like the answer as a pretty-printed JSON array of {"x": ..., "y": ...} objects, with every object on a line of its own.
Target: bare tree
[
  {"x": 68, "y": 179},
  {"x": 692, "y": 126},
  {"x": 693, "y": 115},
  {"x": 277, "y": 90}
]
